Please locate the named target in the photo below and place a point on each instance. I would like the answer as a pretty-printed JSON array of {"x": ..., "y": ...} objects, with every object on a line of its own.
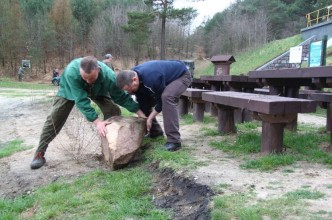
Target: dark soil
[{"x": 187, "y": 199}]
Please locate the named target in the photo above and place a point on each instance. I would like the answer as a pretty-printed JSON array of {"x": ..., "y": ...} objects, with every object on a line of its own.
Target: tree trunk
[{"x": 163, "y": 36}]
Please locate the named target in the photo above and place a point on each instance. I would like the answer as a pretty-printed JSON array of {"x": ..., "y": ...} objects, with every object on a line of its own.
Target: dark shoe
[
  {"x": 172, "y": 146},
  {"x": 38, "y": 161},
  {"x": 154, "y": 134}
]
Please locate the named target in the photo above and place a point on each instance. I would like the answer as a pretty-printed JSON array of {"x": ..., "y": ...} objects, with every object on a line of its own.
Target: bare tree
[{"x": 165, "y": 10}]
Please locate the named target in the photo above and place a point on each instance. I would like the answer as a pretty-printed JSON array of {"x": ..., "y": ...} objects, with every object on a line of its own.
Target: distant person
[
  {"x": 108, "y": 60},
  {"x": 158, "y": 83},
  {"x": 83, "y": 80},
  {"x": 55, "y": 73},
  {"x": 20, "y": 73}
]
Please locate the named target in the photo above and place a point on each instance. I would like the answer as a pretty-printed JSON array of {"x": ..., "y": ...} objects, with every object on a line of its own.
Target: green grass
[
  {"x": 209, "y": 132},
  {"x": 247, "y": 126},
  {"x": 8, "y": 83},
  {"x": 24, "y": 89},
  {"x": 269, "y": 162},
  {"x": 320, "y": 112},
  {"x": 188, "y": 119},
  {"x": 255, "y": 57},
  {"x": 244, "y": 206},
  {"x": 98, "y": 195},
  {"x": 245, "y": 143},
  {"x": 305, "y": 194},
  {"x": 33, "y": 94},
  {"x": 12, "y": 147},
  {"x": 11, "y": 209},
  {"x": 122, "y": 194},
  {"x": 179, "y": 160},
  {"x": 303, "y": 145}
]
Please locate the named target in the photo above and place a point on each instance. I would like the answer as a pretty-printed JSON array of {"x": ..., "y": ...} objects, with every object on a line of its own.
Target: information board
[
  {"x": 295, "y": 54},
  {"x": 315, "y": 55}
]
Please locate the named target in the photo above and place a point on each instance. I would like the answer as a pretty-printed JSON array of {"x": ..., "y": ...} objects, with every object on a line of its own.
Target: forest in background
[{"x": 50, "y": 33}]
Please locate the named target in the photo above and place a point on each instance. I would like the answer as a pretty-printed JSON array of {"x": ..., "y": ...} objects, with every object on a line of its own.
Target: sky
[{"x": 205, "y": 9}]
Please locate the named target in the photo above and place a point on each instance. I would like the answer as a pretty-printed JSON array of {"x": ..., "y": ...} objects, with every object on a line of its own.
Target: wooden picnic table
[
  {"x": 239, "y": 83},
  {"x": 282, "y": 79},
  {"x": 287, "y": 82}
]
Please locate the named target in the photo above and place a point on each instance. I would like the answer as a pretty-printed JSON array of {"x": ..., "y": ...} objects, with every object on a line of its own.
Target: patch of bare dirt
[
  {"x": 222, "y": 169},
  {"x": 22, "y": 118},
  {"x": 186, "y": 198}
]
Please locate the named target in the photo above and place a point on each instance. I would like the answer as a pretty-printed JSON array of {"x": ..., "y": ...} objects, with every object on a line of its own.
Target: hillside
[{"x": 251, "y": 59}]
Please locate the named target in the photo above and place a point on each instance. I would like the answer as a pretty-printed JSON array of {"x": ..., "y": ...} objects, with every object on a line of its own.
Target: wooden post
[
  {"x": 329, "y": 117},
  {"x": 247, "y": 115},
  {"x": 238, "y": 113},
  {"x": 226, "y": 119},
  {"x": 272, "y": 137},
  {"x": 328, "y": 121},
  {"x": 214, "y": 110},
  {"x": 183, "y": 105},
  {"x": 276, "y": 91},
  {"x": 273, "y": 131},
  {"x": 292, "y": 92},
  {"x": 198, "y": 111}
]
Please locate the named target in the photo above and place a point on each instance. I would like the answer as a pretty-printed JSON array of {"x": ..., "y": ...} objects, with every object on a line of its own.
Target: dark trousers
[
  {"x": 170, "y": 99},
  {"x": 60, "y": 112}
]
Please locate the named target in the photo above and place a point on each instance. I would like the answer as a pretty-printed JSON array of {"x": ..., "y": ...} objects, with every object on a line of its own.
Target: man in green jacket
[{"x": 83, "y": 80}]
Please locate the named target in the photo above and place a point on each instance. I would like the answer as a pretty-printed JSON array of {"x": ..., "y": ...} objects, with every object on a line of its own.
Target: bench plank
[
  {"x": 321, "y": 96},
  {"x": 266, "y": 104},
  {"x": 194, "y": 93}
]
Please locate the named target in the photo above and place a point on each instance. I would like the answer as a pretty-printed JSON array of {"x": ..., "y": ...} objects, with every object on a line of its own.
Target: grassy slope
[{"x": 250, "y": 60}]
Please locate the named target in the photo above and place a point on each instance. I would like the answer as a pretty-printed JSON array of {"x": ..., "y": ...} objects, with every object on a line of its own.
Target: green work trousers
[{"x": 60, "y": 112}]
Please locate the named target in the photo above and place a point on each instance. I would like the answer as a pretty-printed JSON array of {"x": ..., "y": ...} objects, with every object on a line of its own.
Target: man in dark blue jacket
[{"x": 158, "y": 83}]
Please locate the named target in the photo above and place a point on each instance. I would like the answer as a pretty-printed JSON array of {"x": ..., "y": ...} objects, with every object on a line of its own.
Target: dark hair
[
  {"x": 107, "y": 56},
  {"x": 88, "y": 64},
  {"x": 125, "y": 77}
]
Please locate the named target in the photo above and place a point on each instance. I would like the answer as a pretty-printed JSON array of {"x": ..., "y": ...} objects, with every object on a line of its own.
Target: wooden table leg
[
  {"x": 273, "y": 131},
  {"x": 292, "y": 92},
  {"x": 226, "y": 119},
  {"x": 198, "y": 111},
  {"x": 272, "y": 137},
  {"x": 329, "y": 117},
  {"x": 183, "y": 105},
  {"x": 213, "y": 109}
]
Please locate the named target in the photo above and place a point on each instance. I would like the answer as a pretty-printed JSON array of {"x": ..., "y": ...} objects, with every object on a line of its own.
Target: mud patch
[{"x": 183, "y": 196}]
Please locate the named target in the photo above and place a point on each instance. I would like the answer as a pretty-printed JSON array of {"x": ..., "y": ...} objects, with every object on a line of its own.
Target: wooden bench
[
  {"x": 273, "y": 111},
  {"x": 195, "y": 96}
]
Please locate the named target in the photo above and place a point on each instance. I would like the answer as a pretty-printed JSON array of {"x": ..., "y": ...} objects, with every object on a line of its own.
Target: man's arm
[
  {"x": 141, "y": 114},
  {"x": 152, "y": 115}
]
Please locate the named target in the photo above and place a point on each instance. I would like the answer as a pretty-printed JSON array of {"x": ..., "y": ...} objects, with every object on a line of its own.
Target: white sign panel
[{"x": 295, "y": 54}]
